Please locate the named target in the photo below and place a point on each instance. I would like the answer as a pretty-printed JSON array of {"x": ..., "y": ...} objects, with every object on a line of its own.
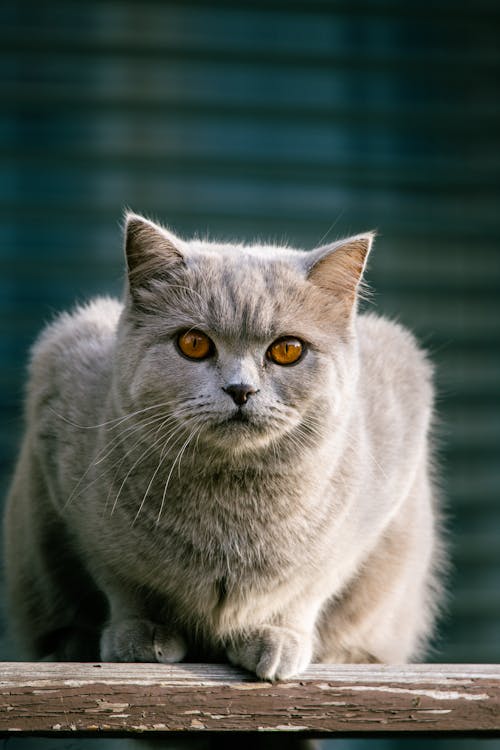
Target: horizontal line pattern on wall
[{"x": 293, "y": 121}]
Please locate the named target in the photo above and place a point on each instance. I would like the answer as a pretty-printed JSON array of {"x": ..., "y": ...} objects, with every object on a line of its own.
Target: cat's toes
[
  {"x": 139, "y": 640},
  {"x": 169, "y": 647},
  {"x": 273, "y": 653}
]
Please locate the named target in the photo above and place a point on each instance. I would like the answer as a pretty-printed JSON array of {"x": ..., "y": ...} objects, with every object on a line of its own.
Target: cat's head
[{"x": 243, "y": 345}]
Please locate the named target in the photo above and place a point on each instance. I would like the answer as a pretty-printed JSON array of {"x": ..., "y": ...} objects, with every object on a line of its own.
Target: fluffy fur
[{"x": 152, "y": 518}]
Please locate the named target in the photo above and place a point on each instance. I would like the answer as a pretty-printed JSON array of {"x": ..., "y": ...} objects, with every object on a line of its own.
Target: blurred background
[{"x": 281, "y": 120}]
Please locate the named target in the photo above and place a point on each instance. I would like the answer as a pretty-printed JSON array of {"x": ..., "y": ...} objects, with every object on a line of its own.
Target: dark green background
[{"x": 301, "y": 121}]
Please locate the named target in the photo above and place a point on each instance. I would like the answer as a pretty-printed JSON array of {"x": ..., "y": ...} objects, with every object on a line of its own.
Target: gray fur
[{"x": 145, "y": 523}]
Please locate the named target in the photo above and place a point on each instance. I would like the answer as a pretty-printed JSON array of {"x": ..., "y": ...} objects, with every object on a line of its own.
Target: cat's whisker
[
  {"x": 128, "y": 432},
  {"x": 163, "y": 456},
  {"x": 135, "y": 427},
  {"x": 273, "y": 447},
  {"x": 77, "y": 491},
  {"x": 178, "y": 457},
  {"x": 106, "y": 451},
  {"x": 116, "y": 421},
  {"x": 330, "y": 228},
  {"x": 349, "y": 435},
  {"x": 149, "y": 449},
  {"x": 112, "y": 445},
  {"x": 136, "y": 463},
  {"x": 194, "y": 448},
  {"x": 295, "y": 442}
]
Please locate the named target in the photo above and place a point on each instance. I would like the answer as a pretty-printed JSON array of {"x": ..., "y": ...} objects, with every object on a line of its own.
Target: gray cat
[{"x": 232, "y": 463}]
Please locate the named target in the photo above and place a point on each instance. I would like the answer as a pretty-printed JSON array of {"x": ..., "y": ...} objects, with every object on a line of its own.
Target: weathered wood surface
[{"x": 91, "y": 699}]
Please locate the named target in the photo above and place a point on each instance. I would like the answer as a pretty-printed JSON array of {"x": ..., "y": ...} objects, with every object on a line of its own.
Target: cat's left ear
[
  {"x": 338, "y": 268},
  {"x": 150, "y": 249}
]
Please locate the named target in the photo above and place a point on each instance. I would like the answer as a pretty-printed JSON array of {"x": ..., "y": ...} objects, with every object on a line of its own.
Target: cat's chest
[
  {"x": 219, "y": 571},
  {"x": 233, "y": 528},
  {"x": 217, "y": 548}
]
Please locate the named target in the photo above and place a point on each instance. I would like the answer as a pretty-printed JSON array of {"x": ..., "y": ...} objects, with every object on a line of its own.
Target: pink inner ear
[{"x": 339, "y": 267}]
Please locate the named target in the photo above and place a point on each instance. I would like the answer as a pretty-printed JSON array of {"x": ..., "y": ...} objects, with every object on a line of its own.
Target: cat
[{"x": 232, "y": 463}]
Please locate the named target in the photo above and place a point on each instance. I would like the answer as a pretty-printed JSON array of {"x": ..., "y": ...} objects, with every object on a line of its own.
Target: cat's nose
[{"x": 240, "y": 392}]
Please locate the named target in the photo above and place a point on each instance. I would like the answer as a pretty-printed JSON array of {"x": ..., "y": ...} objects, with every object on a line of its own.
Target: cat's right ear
[{"x": 150, "y": 250}]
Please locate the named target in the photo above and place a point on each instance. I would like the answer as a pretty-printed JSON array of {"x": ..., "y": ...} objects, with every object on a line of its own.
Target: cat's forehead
[{"x": 257, "y": 291}]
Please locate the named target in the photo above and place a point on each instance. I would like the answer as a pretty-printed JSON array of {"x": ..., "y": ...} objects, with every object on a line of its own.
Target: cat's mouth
[
  {"x": 239, "y": 416},
  {"x": 240, "y": 419},
  {"x": 242, "y": 430}
]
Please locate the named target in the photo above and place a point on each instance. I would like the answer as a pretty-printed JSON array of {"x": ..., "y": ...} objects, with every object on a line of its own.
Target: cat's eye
[
  {"x": 195, "y": 345},
  {"x": 286, "y": 351}
]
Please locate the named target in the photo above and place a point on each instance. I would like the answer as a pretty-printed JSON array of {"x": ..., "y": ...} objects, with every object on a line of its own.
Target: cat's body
[{"x": 228, "y": 503}]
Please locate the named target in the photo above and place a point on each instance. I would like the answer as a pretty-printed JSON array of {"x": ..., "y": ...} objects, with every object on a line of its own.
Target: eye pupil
[
  {"x": 285, "y": 351},
  {"x": 195, "y": 345}
]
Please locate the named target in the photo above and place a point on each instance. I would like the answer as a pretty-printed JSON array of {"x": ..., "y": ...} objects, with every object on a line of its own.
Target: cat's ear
[
  {"x": 338, "y": 267},
  {"x": 150, "y": 249}
]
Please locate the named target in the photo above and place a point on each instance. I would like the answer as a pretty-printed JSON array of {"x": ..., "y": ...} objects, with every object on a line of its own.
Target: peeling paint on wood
[{"x": 126, "y": 699}]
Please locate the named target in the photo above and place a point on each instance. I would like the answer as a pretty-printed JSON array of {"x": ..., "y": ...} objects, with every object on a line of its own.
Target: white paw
[{"x": 273, "y": 653}]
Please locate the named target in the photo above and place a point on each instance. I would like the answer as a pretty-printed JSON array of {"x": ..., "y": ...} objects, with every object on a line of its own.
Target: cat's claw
[
  {"x": 273, "y": 653},
  {"x": 139, "y": 640}
]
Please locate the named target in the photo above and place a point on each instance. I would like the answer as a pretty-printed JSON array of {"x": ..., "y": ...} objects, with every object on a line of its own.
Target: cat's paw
[
  {"x": 138, "y": 640},
  {"x": 272, "y": 652}
]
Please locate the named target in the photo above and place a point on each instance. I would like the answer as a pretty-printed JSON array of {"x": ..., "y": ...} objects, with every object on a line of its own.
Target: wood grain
[{"x": 127, "y": 699}]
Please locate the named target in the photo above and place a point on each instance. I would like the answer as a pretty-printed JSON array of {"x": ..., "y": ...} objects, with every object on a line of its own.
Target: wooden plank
[{"x": 128, "y": 699}]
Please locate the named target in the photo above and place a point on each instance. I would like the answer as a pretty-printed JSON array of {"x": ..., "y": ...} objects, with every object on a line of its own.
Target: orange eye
[
  {"x": 195, "y": 345},
  {"x": 286, "y": 351}
]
